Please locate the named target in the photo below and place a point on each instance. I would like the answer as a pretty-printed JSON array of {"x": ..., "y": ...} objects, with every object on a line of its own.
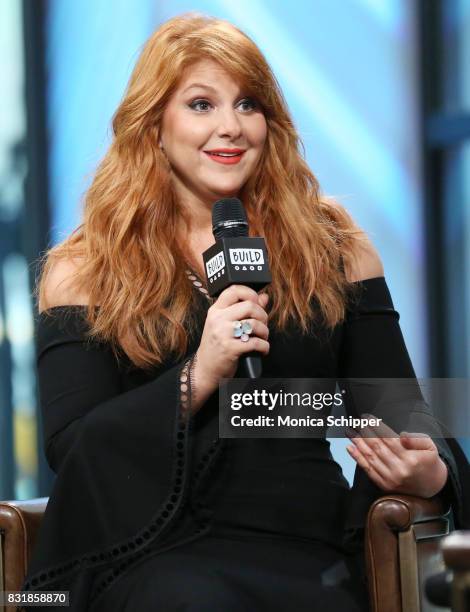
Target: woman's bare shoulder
[
  {"x": 366, "y": 262},
  {"x": 58, "y": 287}
]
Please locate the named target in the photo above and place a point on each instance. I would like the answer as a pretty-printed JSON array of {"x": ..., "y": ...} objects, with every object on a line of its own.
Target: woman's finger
[
  {"x": 246, "y": 310},
  {"x": 263, "y": 299},
  {"x": 387, "y": 435},
  {"x": 258, "y": 328},
  {"x": 367, "y": 467},
  {"x": 416, "y": 441},
  {"x": 378, "y": 455},
  {"x": 233, "y": 294}
]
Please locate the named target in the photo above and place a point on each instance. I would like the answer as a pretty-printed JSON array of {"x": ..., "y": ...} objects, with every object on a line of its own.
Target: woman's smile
[{"x": 225, "y": 156}]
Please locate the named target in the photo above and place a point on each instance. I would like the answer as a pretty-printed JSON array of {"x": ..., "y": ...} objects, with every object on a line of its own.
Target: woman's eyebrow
[
  {"x": 199, "y": 85},
  {"x": 204, "y": 86}
]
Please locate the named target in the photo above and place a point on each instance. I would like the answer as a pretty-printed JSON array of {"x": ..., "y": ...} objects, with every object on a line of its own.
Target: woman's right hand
[{"x": 219, "y": 351}]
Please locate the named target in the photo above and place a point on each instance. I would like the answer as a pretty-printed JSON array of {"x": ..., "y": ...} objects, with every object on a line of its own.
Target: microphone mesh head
[{"x": 229, "y": 219}]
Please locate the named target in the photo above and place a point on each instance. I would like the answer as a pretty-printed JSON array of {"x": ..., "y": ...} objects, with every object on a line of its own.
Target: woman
[{"x": 150, "y": 510}]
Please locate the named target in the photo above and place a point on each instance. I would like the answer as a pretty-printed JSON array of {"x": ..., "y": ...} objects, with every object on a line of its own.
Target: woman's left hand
[{"x": 407, "y": 464}]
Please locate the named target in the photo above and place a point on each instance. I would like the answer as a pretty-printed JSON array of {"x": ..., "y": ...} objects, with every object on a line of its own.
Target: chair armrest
[
  {"x": 400, "y": 511},
  {"x": 395, "y": 523},
  {"x": 19, "y": 525}
]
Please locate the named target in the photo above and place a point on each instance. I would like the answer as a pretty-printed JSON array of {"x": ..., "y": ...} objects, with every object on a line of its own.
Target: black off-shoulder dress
[{"x": 152, "y": 511}]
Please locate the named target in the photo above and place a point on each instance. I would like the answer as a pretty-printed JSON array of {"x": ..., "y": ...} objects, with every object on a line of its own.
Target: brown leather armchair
[
  {"x": 402, "y": 543},
  {"x": 19, "y": 525},
  {"x": 403, "y": 547}
]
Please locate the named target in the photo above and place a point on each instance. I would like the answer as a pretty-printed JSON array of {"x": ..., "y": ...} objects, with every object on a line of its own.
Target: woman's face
[{"x": 209, "y": 112}]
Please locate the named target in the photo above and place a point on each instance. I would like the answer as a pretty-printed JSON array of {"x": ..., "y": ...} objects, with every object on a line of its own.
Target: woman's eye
[
  {"x": 197, "y": 103},
  {"x": 203, "y": 105},
  {"x": 250, "y": 102}
]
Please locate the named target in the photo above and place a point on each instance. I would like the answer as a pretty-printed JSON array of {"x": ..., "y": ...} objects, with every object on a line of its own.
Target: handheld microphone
[{"x": 236, "y": 259}]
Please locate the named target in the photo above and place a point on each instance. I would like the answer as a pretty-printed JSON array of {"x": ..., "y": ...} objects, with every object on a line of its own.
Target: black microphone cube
[{"x": 241, "y": 260}]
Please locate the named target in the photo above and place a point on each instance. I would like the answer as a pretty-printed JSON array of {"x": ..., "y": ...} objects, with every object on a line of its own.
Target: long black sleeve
[
  {"x": 373, "y": 347},
  {"x": 74, "y": 376},
  {"x": 77, "y": 375},
  {"x": 122, "y": 447}
]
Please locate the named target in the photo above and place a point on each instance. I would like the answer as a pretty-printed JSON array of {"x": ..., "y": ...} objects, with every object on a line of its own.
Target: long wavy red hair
[{"x": 132, "y": 259}]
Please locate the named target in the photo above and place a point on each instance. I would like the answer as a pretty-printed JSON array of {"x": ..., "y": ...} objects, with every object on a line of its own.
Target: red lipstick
[{"x": 225, "y": 156}]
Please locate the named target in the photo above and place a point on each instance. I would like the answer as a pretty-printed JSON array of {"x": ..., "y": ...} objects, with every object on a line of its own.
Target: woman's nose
[{"x": 229, "y": 123}]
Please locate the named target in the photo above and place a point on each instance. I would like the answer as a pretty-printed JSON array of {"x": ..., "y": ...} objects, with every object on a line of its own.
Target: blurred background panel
[
  {"x": 379, "y": 92},
  {"x": 18, "y": 405},
  {"x": 445, "y": 50}
]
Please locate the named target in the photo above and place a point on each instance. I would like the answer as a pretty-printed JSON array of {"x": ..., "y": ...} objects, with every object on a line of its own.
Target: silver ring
[{"x": 242, "y": 330}]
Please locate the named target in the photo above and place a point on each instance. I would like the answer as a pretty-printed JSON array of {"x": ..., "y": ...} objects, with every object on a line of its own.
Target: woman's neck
[{"x": 194, "y": 246}]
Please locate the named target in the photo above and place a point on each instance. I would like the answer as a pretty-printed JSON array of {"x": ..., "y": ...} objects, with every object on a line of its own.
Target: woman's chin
[{"x": 225, "y": 191}]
